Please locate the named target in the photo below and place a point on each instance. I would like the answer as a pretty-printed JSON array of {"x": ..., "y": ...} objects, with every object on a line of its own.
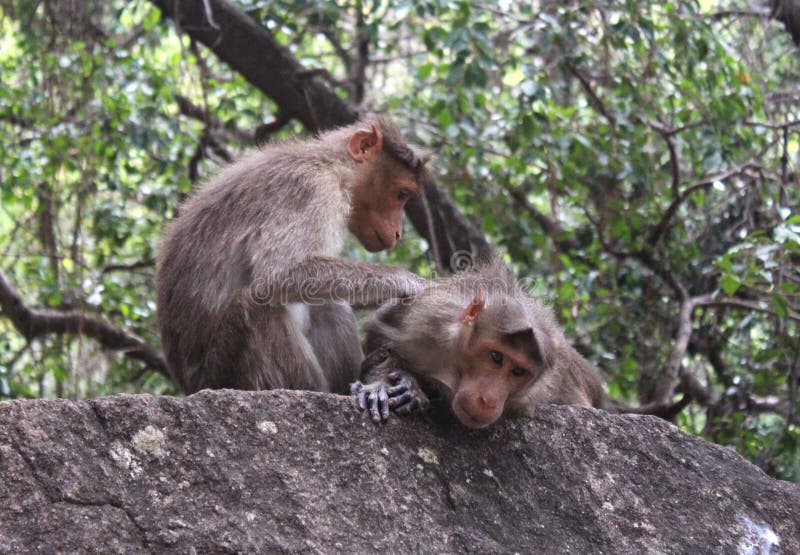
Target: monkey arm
[
  {"x": 316, "y": 279},
  {"x": 384, "y": 384}
]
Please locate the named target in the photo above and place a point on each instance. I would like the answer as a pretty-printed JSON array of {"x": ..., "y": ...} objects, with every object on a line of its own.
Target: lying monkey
[{"x": 493, "y": 348}]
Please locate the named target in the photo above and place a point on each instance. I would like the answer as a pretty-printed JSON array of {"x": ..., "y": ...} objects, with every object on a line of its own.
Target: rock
[{"x": 232, "y": 471}]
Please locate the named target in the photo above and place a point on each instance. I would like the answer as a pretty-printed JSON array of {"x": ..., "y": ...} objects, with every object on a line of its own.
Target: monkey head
[
  {"x": 497, "y": 354},
  {"x": 381, "y": 190}
]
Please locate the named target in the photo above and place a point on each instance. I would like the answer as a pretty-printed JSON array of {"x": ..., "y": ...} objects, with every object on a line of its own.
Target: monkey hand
[
  {"x": 405, "y": 394},
  {"x": 397, "y": 391}
]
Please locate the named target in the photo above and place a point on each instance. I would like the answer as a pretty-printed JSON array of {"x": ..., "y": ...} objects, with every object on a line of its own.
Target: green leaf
[
  {"x": 729, "y": 284},
  {"x": 424, "y": 71}
]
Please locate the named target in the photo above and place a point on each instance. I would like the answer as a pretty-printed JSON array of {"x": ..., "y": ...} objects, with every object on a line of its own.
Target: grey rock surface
[{"x": 230, "y": 471}]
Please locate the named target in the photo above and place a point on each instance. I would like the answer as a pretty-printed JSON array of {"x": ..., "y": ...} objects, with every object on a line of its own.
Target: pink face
[
  {"x": 490, "y": 371},
  {"x": 376, "y": 216},
  {"x": 380, "y": 194}
]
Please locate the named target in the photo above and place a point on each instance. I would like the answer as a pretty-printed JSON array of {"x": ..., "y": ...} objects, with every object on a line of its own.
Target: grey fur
[{"x": 266, "y": 232}]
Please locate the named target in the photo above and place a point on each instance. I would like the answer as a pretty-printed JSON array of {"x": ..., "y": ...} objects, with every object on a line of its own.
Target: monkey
[
  {"x": 251, "y": 290},
  {"x": 478, "y": 340}
]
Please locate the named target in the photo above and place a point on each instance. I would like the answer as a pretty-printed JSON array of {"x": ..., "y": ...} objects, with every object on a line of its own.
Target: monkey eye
[
  {"x": 496, "y": 356},
  {"x": 403, "y": 195},
  {"x": 519, "y": 371}
]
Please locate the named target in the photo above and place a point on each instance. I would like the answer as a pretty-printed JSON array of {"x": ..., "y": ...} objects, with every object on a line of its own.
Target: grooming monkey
[
  {"x": 480, "y": 340},
  {"x": 251, "y": 292}
]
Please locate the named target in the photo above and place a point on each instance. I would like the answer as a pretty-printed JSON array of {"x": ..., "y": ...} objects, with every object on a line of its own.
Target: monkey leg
[
  {"x": 386, "y": 387},
  {"x": 278, "y": 355},
  {"x": 333, "y": 335}
]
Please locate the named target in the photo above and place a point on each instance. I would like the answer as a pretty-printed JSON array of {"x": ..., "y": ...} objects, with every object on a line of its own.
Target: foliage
[{"x": 625, "y": 155}]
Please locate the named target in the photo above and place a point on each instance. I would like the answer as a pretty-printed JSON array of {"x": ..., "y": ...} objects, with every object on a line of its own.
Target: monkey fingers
[
  {"x": 379, "y": 404},
  {"x": 360, "y": 392},
  {"x": 372, "y": 398},
  {"x": 405, "y": 396}
]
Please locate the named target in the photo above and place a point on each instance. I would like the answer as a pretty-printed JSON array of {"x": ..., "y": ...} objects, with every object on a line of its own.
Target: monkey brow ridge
[
  {"x": 395, "y": 146},
  {"x": 404, "y": 154}
]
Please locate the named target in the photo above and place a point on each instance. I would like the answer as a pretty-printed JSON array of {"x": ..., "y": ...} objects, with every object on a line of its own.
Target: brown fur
[
  {"x": 271, "y": 223},
  {"x": 437, "y": 334}
]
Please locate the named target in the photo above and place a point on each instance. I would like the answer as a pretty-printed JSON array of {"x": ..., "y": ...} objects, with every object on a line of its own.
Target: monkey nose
[
  {"x": 398, "y": 235},
  {"x": 489, "y": 401}
]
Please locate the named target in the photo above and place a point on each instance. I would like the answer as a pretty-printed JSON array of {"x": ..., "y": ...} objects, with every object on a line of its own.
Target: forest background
[{"x": 634, "y": 161}]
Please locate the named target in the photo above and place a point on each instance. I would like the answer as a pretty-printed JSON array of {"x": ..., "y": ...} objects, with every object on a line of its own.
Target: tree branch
[
  {"x": 668, "y": 134},
  {"x": 665, "y": 385},
  {"x": 192, "y": 110},
  {"x": 594, "y": 99},
  {"x": 144, "y": 263},
  {"x": 234, "y": 38},
  {"x": 551, "y": 227},
  {"x": 664, "y": 223},
  {"x": 33, "y": 323},
  {"x": 742, "y": 303},
  {"x": 274, "y": 71}
]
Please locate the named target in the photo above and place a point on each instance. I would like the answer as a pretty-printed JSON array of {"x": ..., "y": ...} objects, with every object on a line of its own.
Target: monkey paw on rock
[{"x": 398, "y": 392}]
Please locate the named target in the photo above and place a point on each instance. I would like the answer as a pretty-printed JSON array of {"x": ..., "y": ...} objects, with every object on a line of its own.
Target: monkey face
[
  {"x": 497, "y": 355},
  {"x": 490, "y": 370},
  {"x": 377, "y": 202}
]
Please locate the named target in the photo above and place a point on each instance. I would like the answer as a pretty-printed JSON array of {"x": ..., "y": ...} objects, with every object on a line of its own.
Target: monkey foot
[{"x": 401, "y": 394}]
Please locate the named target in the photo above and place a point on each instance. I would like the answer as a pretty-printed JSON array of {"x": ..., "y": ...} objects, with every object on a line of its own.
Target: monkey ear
[
  {"x": 474, "y": 308},
  {"x": 364, "y": 145}
]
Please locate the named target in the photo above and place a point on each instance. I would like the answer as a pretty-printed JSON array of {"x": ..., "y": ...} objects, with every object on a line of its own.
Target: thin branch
[
  {"x": 265, "y": 130},
  {"x": 210, "y": 15},
  {"x": 192, "y": 110},
  {"x": 551, "y": 227},
  {"x": 32, "y": 323},
  {"x": 340, "y": 50},
  {"x": 758, "y": 404},
  {"x": 672, "y": 367},
  {"x": 723, "y": 14},
  {"x": 664, "y": 223},
  {"x": 188, "y": 108},
  {"x": 668, "y": 134},
  {"x": 144, "y": 263},
  {"x": 644, "y": 256},
  {"x": 773, "y": 124},
  {"x": 594, "y": 99},
  {"x": 742, "y": 303},
  {"x": 647, "y": 258}
]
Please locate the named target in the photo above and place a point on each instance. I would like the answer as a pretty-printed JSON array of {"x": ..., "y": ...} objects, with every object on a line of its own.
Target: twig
[
  {"x": 144, "y": 263},
  {"x": 551, "y": 227},
  {"x": 668, "y": 134},
  {"x": 263, "y": 131},
  {"x": 722, "y": 14},
  {"x": 32, "y": 323},
  {"x": 594, "y": 99},
  {"x": 773, "y": 124},
  {"x": 663, "y": 224},
  {"x": 190, "y": 109},
  {"x": 742, "y": 303}
]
